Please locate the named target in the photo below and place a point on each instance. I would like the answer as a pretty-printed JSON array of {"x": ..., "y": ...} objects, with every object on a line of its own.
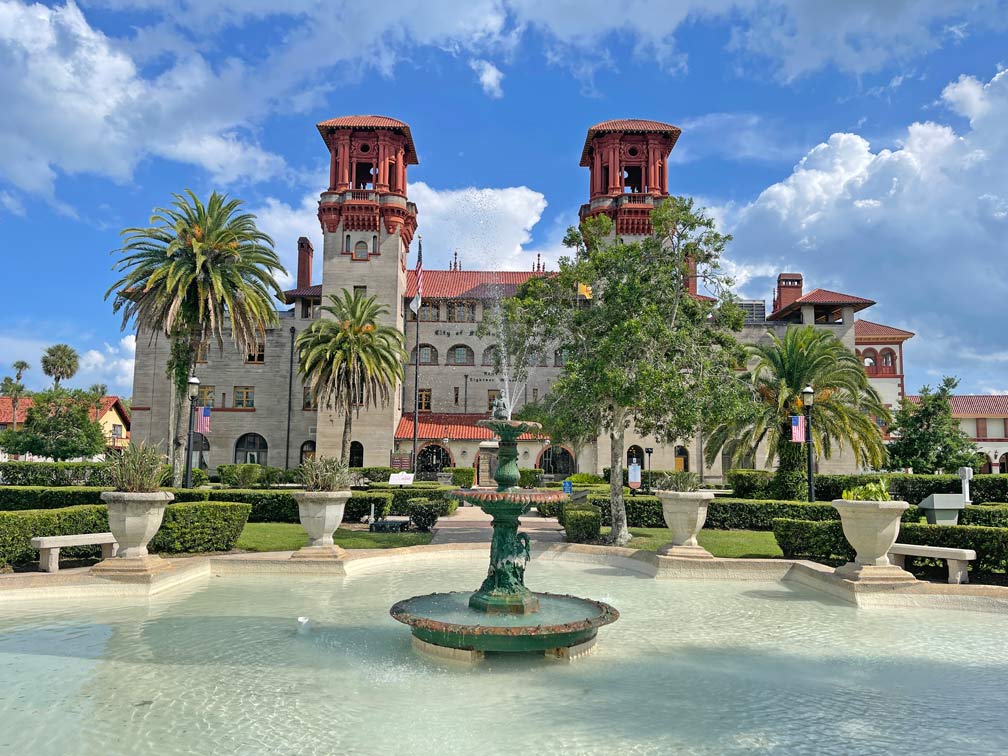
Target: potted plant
[
  {"x": 871, "y": 522},
  {"x": 136, "y": 506},
  {"x": 684, "y": 507},
  {"x": 326, "y": 482}
]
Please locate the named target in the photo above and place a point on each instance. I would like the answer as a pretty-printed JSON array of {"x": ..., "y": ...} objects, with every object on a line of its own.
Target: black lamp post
[
  {"x": 648, "y": 451},
  {"x": 808, "y": 397},
  {"x": 193, "y": 394}
]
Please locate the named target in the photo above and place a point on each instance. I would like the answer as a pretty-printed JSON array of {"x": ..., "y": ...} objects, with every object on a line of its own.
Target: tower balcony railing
[{"x": 361, "y": 196}]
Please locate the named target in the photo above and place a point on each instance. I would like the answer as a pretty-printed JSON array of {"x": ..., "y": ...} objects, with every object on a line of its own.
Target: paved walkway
[{"x": 472, "y": 525}]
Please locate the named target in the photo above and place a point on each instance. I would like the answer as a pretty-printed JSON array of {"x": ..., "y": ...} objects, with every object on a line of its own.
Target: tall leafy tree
[
  {"x": 926, "y": 436},
  {"x": 58, "y": 425},
  {"x": 846, "y": 409},
  {"x": 642, "y": 352},
  {"x": 349, "y": 361},
  {"x": 200, "y": 272},
  {"x": 60, "y": 362},
  {"x": 15, "y": 390}
]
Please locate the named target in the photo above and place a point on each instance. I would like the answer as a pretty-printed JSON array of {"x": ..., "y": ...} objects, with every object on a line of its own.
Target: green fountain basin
[{"x": 447, "y": 620}]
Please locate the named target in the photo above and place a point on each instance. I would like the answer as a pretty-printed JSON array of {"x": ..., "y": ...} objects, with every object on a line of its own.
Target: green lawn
[
  {"x": 720, "y": 543},
  {"x": 281, "y": 536}
]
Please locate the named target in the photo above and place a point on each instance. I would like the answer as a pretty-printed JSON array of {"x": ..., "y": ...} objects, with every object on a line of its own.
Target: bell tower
[
  {"x": 627, "y": 162},
  {"x": 367, "y": 225}
]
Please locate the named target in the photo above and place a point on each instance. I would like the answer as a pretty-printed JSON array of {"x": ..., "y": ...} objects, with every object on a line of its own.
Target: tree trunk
[
  {"x": 347, "y": 435},
  {"x": 620, "y": 536},
  {"x": 182, "y": 403},
  {"x": 14, "y": 405}
]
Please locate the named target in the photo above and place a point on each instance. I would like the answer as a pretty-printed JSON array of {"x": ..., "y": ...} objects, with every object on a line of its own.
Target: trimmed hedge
[
  {"x": 54, "y": 474},
  {"x": 825, "y": 542},
  {"x": 186, "y": 528},
  {"x": 423, "y": 513},
  {"x": 14, "y": 498},
  {"x": 756, "y": 514},
  {"x": 402, "y": 494},
  {"x": 988, "y": 515},
  {"x": 280, "y": 506},
  {"x": 582, "y": 525},
  {"x": 462, "y": 477},
  {"x": 642, "y": 511},
  {"x": 528, "y": 477},
  {"x": 654, "y": 475},
  {"x": 373, "y": 474}
]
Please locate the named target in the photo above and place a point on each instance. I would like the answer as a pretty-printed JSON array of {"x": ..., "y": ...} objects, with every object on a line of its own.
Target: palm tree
[
  {"x": 13, "y": 389},
  {"x": 844, "y": 404},
  {"x": 197, "y": 271},
  {"x": 97, "y": 392},
  {"x": 60, "y": 362},
  {"x": 348, "y": 360},
  {"x": 19, "y": 369}
]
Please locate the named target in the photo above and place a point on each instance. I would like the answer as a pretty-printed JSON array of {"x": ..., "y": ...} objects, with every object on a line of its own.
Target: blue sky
[{"x": 863, "y": 143}]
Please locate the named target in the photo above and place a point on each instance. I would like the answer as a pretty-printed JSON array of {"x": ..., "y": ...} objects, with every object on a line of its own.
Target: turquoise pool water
[{"x": 690, "y": 667}]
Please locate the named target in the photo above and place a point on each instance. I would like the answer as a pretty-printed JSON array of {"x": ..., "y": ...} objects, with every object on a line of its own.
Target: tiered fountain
[{"x": 504, "y": 615}]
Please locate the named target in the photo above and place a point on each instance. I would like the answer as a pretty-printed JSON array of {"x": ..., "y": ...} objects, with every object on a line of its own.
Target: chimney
[
  {"x": 305, "y": 254},
  {"x": 789, "y": 289}
]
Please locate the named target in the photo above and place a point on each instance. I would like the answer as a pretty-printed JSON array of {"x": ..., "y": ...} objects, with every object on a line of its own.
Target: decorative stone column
[
  {"x": 320, "y": 513},
  {"x": 134, "y": 519},
  {"x": 685, "y": 514},
  {"x": 871, "y": 528}
]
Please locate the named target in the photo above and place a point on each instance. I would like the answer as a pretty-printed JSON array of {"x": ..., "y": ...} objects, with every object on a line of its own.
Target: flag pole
[{"x": 416, "y": 352}]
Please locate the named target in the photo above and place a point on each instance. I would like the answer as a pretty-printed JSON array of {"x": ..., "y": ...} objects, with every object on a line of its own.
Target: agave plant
[
  {"x": 325, "y": 474},
  {"x": 682, "y": 481},
  {"x": 136, "y": 469}
]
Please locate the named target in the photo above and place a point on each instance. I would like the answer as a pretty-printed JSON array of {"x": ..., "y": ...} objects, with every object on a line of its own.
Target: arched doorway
[
  {"x": 634, "y": 453},
  {"x": 250, "y": 449},
  {"x": 556, "y": 461},
  {"x": 307, "y": 451},
  {"x": 1004, "y": 464},
  {"x": 986, "y": 468},
  {"x": 681, "y": 459},
  {"x": 356, "y": 454},
  {"x": 431, "y": 460},
  {"x": 200, "y": 452}
]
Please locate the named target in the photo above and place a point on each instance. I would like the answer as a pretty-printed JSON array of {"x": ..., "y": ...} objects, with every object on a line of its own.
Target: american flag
[
  {"x": 798, "y": 429},
  {"x": 202, "y": 424},
  {"x": 418, "y": 299}
]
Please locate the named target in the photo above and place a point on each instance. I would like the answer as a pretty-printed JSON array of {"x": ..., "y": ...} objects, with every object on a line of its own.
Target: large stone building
[{"x": 262, "y": 413}]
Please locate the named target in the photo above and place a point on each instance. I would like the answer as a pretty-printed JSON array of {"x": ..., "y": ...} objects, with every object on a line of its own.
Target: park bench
[
  {"x": 49, "y": 547},
  {"x": 957, "y": 559},
  {"x": 391, "y": 524}
]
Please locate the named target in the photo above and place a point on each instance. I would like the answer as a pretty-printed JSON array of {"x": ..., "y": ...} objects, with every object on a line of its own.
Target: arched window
[
  {"x": 870, "y": 358},
  {"x": 360, "y": 251},
  {"x": 888, "y": 357},
  {"x": 490, "y": 354},
  {"x": 428, "y": 355},
  {"x": 374, "y": 244},
  {"x": 681, "y": 458},
  {"x": 356, "y": 454},
  {"x": 635, "y": 453},
  {"x": 433, "y": 458},
  {"x": 200, "y": 452},
  {"x": 250, "y": 449},
  {"x": 558, "y": 358},
  {"x": 748, "y": 462},
  {"x": 346, "y": 247},
  {"x": 556, "y": 461},
  {"x": 460, "y": 354},
  {"x": 307, "y": 451}
]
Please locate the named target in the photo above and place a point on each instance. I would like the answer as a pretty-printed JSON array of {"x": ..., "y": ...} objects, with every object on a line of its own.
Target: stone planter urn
[
  {"x": 134, "y": 519},
  {"x": 871, "y": 528},
  {"x": 321, "y": 513},
  {"x": 685, "y": 513}
]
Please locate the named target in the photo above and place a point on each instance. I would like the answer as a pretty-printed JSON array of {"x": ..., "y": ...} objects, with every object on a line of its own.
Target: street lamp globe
[
  {"x": 807, "y": 396},
  {"x": 193, "y": 386}
]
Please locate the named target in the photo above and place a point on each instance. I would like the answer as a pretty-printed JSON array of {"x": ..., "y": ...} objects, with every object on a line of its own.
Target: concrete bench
[
  {"x": 390, "y": 524},
  {"x": 957, "y": 559},
  {"x": 49, "y": 547}
]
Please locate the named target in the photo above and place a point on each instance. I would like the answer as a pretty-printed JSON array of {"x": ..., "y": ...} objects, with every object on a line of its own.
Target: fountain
[{"x": 504, "y": 615}]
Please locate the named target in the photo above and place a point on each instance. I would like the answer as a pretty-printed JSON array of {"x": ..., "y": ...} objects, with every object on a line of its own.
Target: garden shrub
[
  {"x": 247, "y": 475},
  {"x": 44, "y": 497},
  {"x": 358, "y": 506},
  {"x": 582, "y": 524},
  {"x": 750, "y": 484},
  {"x": 790, "y": 485},
  {"x": 200, "y": 526},
  {"x": 423, "y": 513},
  {"x": 642, "y": 511},
  {"x": 374, "y": 474},
  {"x": 200, "y": 477},
  {"x": 989, "y": 515},
  {"x": 586, "y": 479},
  {"x": 402, "y": 494},
  {"x": 54, "y": 474},
  {"x": 463, "y": 477},
  {"x": 825, "y": 542},
  {"x": 549, "y": 508},
  {"x": 528, "y": 477},
  {"x": 227, "y": 474},
  {"x": 648, "y": 477}
]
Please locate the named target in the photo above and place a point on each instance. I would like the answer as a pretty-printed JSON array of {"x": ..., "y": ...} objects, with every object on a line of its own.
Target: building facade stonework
[{"x": 260, "y": 411}]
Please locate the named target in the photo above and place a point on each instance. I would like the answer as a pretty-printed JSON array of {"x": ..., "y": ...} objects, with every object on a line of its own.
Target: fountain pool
[{"x": 219, "y": 666}]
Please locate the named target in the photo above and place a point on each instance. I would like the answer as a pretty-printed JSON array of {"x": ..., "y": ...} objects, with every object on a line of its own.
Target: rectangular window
[
  {"x": 206, "y": 396},
  {"x": 995, "y": 427},
  {"x": 244, "y": 397},
  {"x": 360, "y": 291},
  {"x": 116, "y": 430},
  {"x": 430, "y": 311},
  {"x": 307, "y": 400},
  {"x": 461, "y": 312},
  {"x": 456, "y": 395},
  {"x": 492, "y": 396},
  {"x": 258, "y": 357},
  {"x": 424, "y": 400},
  {"x": 535, "y": 395}
]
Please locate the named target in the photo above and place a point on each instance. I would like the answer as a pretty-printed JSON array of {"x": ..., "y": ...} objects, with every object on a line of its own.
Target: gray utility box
[{"x": 943, "y": 509}]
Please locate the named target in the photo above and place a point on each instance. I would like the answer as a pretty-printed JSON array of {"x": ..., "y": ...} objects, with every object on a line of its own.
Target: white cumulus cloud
[{"x": 489, "y": 76}]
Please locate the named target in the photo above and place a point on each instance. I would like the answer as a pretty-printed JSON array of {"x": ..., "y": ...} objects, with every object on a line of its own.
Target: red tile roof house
[
  {"x": 984, "y": 418},
  {"x": 112, "y": 415}
]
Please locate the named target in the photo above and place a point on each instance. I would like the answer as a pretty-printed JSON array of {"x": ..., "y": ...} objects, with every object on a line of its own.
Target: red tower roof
[
  {"x": 822, "y": 297},
  {"x": 372, "y": 122},
  {"x": 631, "y": 126},
  {"x": 866, "y": 331}
]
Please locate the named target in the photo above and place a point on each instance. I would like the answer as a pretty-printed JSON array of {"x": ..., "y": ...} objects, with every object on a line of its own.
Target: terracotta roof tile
[
  {"x": 867, "y": 331},
  {"x": 823, "y": 297},
  {"x": 449, "y": 284},
  {"x": 7, "y": 410},
  {"x": 632, "y": 125},
  {"x": 455, "y": 426},
  {"x": 975, "y": 405},
  {"x": 372, "y": 122}
]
